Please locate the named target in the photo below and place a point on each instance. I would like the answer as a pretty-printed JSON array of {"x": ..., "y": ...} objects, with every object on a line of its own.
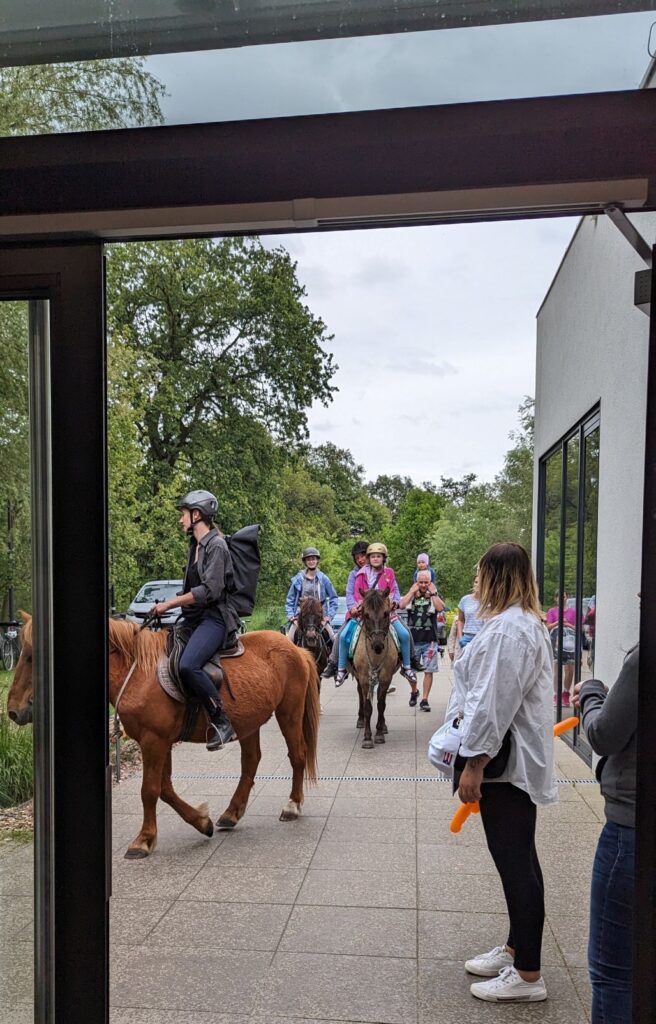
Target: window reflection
[{"x": 590, "y": 509}]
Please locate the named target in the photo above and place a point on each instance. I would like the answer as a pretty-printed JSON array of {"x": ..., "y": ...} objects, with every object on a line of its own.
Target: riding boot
[{"x": 219, "y": 729}]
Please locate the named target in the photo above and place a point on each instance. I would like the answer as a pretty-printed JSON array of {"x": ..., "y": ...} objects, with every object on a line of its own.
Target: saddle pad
[
  {"x": 356, "y": 637},
  {"x": 166, "y": 680}
]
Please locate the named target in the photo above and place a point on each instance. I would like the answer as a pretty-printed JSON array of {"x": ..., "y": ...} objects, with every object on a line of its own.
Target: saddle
[
  {"x": 169, "y": 663},
  {"x": 356, "y": 636}
]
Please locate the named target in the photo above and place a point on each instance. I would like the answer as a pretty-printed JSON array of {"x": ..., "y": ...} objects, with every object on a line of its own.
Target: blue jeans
[
  {"x": 404, "y": 640},
  {"x": 610, "y": 947},
  {"x": 347, "y": 633},
  {"x": 206, "y": 639},
  {"x": 345, "y": 643}
]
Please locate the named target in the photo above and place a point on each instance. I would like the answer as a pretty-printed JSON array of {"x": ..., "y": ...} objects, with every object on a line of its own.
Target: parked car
[
  {"x": 151, "y": 593},
  {"x": 340, "y": 614}
]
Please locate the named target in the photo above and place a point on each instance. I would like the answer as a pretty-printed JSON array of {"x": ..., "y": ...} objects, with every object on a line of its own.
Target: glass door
[{"x": 53, "y": 703}]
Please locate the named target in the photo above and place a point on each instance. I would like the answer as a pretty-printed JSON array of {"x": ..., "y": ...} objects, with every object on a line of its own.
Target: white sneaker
[
  {"x": 510, "y": 987},
  {"x": 488, "y": 965}
]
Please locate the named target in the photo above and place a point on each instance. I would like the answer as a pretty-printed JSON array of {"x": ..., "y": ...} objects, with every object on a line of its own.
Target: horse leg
[
  {"x": 291, "y": 726},
  {"x": 381, "y": 728},
  {"x": 367, "y": 742},
  {"x": 360, "y": 722},
  {"x": 154, "y": 751},
  {"x": 197, "y": 816},
  {"x": 250, "y": 758}
]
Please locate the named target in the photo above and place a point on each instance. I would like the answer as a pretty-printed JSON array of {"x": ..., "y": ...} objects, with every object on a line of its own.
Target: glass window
[
  {"x": 375, "y": 63},
  {"x": 567, "y": 561}
]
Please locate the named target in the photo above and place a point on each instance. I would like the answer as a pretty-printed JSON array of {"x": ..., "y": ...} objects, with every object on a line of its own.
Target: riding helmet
[
  {"x": 377, "y": 549},
  {"x": 310, "y": 553},
  {"x": 204, "y": 501}
]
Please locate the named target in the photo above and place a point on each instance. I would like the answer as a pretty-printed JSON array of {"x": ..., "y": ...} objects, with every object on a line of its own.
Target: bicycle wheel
[{"x": 9, "y": 657}]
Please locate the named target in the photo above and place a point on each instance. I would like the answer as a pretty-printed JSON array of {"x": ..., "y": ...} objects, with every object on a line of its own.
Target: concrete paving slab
[
  {"x": 132, "y": 1016},
  {"x": 457, "y": 936},
  {"x": 357, "y": 931},
  {"x": 16, "y": 912},
  {"x": 246, "y": 884},
  {"x": 361, "y": 988},
  {"x": 373, "y": 857},
  {"x": 347, "y": 888},
  {"x": 382, "y": 831},
  {"x": 441, "y": 890},
  {"x": 215, "y": 925}
]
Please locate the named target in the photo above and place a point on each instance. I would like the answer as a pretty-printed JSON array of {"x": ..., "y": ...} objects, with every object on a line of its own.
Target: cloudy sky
[{"x": 434, "y": 327}]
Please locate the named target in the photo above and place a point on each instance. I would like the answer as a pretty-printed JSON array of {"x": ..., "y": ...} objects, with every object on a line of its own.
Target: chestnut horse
[
  {"x": 271, "y": 677},
  {"x": 374, "y": 662}
]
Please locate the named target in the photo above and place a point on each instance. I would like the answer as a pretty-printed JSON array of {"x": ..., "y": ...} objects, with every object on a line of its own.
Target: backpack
[{"x": 245, "y": 552}]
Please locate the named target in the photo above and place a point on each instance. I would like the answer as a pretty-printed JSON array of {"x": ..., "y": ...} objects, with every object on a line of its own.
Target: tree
[
  {"x": 217, "y": 329},
  {"x": 455, "y": 491},
  {"x": 418, "y": 514},
  {"x": 44, "y": 98},
  {"x": 390, "y": 491}
]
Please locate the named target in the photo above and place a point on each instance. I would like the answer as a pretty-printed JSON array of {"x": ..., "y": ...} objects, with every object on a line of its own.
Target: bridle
[{"x": 374, "y": 669}]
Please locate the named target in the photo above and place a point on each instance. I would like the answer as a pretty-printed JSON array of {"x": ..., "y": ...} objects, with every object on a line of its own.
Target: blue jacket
[{"x": 328, "y": 596}]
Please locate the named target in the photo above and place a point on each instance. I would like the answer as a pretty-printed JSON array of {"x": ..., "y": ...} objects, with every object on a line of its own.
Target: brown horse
[
  {"x": 374, "y": 662},
  {"x": 309, "y": 631},
  {"x": 271, "y": 677}
]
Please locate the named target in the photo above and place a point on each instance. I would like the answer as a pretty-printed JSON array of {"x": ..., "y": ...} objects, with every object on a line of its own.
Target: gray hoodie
[{"x": 610, "y": 721}]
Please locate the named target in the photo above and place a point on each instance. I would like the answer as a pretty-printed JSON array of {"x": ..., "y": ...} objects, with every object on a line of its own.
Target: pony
[
  {"x": 271, "y": 677},
  {"x": 374, "y": 662},
  {"x": 309, "y": 631}
]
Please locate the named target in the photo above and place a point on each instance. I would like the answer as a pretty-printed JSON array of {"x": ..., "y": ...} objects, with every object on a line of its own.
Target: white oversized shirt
[{"x": 503, "y": 681}]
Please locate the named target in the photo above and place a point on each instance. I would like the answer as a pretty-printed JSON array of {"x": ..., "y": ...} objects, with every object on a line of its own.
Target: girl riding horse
[{"x": 375, "y": 574}]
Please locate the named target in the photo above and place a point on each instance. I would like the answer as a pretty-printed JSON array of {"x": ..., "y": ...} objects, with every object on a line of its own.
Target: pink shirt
[{"x": 569, "y": 616}]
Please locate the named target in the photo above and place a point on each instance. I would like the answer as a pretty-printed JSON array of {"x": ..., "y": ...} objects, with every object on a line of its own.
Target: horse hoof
[
  {"x": 209, "y": 829},
  {"x": 367, "y": 744},
  {"x": 360, "y": 723},
  {"x": 290, "y": 811},
  {"x": 385, "y": 730},
  {"x": 379, "y": 738},
  {"x": 135, "y": 853},
  {"x": 225, "y": 824}
]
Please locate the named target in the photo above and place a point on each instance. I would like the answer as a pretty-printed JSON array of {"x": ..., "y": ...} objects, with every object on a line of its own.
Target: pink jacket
[{"x": 387, "y": 578}]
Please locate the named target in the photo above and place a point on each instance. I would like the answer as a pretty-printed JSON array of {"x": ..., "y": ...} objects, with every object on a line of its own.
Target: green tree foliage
[
  {"x": 418, "y": 513},
  {"x": 44, "y": 98},
  {"x": 479, "y": 515},
  {"x": 390, "y": 491}
]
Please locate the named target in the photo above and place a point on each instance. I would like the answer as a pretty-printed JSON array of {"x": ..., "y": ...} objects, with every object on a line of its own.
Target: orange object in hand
[
  {"x": 565, "y": 725},
  {"x": 461, "y": 815}
]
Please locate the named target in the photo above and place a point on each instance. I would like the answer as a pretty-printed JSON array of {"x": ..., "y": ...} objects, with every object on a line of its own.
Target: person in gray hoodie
[{"x": 610, "y": 720}]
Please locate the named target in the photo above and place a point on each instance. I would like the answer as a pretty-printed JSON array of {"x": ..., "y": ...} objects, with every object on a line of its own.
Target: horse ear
[{"x": 25, "y": 616}]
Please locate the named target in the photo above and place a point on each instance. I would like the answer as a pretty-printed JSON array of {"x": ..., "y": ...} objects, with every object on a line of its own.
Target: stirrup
[{"x": 218, "y": 734}]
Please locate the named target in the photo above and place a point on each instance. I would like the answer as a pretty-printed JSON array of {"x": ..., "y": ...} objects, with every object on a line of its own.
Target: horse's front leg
[
  {"x": 367, "y": 742},
  {"x": 250, "y": 758},
  {"x": 154, "y": 751},
  {"x": 199, "y": 817},
  {"x": 381, "y": 728},
  {"x": 360, "y": 722}
]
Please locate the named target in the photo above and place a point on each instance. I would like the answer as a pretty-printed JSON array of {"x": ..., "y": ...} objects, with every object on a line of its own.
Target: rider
[
  {"x": 206, "y": 607},
  {"x": 359, "y": 556},
  {"x": 376, "y": 574},
  {"x": 310, "y": 582}
]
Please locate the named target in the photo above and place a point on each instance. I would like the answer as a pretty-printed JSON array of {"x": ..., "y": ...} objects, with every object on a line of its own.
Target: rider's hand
[{"x": 160, "y": 609}]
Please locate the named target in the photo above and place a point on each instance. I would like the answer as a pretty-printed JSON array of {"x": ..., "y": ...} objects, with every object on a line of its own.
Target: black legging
[
  {"x": 509, "y": 815},
  {"x": 206, "y": 639}
]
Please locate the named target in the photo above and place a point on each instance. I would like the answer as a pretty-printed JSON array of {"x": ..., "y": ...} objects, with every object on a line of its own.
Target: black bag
[
  {"x": 245, "y": 552},
  {"x": 493, "y": 769}
]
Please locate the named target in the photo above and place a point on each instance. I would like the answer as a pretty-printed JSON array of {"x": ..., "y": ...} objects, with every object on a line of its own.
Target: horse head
[
  {"x": 376, "y": 612},
  {"x": 21, "y": 693},
  {"x": 310, "y": 623}
]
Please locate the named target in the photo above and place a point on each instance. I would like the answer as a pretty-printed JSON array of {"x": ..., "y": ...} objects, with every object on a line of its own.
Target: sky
[
  {"x": 434, "y": 327},
  {"x": 434, "y": 337}
]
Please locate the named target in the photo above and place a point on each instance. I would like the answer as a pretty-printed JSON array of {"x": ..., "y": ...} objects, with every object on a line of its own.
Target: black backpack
[{"x": 245, "y": 552}]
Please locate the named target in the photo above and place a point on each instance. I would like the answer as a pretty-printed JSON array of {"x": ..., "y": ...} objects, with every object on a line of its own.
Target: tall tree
[
  {"x": 418, "y": 513},
  {"x": 390, "y": 491},
  {"x": 217, "y": 329}
]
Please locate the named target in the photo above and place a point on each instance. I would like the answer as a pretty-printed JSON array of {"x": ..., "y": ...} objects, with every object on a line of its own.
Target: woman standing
[
  {"x": 610, "y": 720},
  {"x": 206, "y": 607},
  {"x": 502, "y": 690},
  {"x": 469, "y": 620}
]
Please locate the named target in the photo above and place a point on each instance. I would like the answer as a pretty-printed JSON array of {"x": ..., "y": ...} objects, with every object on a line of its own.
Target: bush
[
  {"x": 16, "y": 763},
  {"x": 266, "y": 617}
]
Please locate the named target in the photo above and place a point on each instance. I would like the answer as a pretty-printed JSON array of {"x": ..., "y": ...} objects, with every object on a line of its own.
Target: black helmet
[
  {"x": 360, "y": 548},
  {"x": 310, "y": 553},
  {"x": 204, "y": 501}
]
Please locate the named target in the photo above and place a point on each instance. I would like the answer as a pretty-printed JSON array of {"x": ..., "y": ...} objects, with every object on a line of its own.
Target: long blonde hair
[{"x": 506, "y": 577}]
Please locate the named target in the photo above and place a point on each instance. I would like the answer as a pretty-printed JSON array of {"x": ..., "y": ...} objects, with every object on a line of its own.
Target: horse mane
[
  {"x": 26, "y": 630},
  {"x": 133, "y": 644},
  {"x": 375, "y": 599},
  {"x": 310, "y": 604}
]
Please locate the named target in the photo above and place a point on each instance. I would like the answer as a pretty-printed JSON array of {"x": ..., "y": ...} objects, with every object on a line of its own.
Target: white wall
[{"x": 592, "y": 347}]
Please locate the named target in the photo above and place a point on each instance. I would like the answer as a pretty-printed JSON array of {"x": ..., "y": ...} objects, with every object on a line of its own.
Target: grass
[
  {"x": 266, "y": 617},
  {"x": 16, "y": 763}
]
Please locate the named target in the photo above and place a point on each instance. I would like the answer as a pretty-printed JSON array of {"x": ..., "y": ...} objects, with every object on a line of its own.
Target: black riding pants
[
  {"x": 509, "y": 816},
  {"x": 206, "y": 639}
]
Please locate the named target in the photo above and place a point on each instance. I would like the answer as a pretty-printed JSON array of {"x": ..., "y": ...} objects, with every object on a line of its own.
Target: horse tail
[{"x": 311, "y": 713}]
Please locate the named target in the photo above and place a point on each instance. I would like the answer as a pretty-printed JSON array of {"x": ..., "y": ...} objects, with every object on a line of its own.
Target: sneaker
[
  {"x": 565, "y": 699},
  {"x": 488, "y": 965},
  {"x": 510, "y": 987},
  {"x": 330, "y": 670},
  {"x": 424, "y": 705},
  {"x": 341, "y": 676},
  {"x": 413, "y": 698}
]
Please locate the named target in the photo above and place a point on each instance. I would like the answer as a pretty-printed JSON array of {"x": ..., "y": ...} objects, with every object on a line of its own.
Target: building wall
[{"x": 592, "y": 348}]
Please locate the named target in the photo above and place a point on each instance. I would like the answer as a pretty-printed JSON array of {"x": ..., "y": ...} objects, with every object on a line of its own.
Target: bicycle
[{"x": 9, "y": 645}]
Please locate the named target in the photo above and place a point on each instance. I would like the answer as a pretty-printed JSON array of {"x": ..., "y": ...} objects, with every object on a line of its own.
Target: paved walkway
[{"x": 362, "y": 911}]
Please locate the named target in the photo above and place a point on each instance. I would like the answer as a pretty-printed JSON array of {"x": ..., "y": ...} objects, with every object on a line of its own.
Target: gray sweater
[{"x": 610, "y": 722}]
